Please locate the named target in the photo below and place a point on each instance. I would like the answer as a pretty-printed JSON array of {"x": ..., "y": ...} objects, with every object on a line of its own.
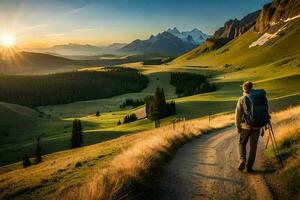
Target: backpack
[{"x": 257, "y": 114}]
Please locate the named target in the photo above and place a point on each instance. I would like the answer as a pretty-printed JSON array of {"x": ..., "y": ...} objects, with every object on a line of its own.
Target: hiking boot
[{"x": 242, "y": 165}]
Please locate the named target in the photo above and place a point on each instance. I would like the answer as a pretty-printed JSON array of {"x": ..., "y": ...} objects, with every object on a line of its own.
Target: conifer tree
[
  {"x": 97, "y": 113},
  {"x": 119, "y": 123},
  {"x": 26, "y": 161},
  {"x": 77, "y": 137},
  {"x": 38, "y": 152},
  {"x": 157, "y": 107}
]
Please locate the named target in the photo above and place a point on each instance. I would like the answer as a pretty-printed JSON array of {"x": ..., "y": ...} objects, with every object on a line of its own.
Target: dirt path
[{"x": 206, "y": 168}]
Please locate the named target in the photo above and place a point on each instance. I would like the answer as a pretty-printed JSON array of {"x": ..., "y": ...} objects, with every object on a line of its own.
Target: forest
[
  {"x": 188, "y": 84},
  {"x": 60, "y": 88}
]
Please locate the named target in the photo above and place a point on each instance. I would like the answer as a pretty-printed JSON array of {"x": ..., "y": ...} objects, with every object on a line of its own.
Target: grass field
[
  {"x": 284, "y": 180},
  {"x": 281, "y": 85},
  {"x": 274, "y": 67},
  {"x": 64, "y": 169}
]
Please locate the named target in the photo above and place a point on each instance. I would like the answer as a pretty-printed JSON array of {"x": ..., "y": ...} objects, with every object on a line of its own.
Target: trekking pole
[
  {"x": 267, "y": 142},
  {"x": 274, "y": 144}
]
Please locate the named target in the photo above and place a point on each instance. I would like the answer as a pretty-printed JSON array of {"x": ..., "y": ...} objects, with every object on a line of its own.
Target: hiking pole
[
  {"x": 274, "y": 144},
  {"x": 267, "y": 142}
]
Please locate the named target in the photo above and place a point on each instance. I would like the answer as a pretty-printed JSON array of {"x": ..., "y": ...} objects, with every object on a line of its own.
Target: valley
[{"x": 40, "y": 100}]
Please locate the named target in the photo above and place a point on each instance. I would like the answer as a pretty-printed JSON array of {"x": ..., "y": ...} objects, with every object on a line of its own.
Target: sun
[{"x": 8, "y": 40}]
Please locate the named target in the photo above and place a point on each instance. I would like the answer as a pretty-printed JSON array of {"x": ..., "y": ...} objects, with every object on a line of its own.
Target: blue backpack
[{"x": 257, "y": 114}]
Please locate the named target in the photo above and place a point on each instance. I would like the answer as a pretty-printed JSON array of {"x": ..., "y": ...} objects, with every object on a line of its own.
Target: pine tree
[
  {"x": 98, "y": 113},
  {"x": 80, "y": 136},
  {"x": 77, "y": 137},
  {"x": 119, "y": 123},
  {"x": 38, "y": 152},
  {"x": 157, "y": 107},
  {"x": 26, "y": 161},
  {"x": 162, "y": 104}
]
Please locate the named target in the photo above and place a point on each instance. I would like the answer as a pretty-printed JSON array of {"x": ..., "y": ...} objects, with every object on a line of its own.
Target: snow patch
[
  {"x": 292, "y": 18},
  {"x": 265, "y": 38}
]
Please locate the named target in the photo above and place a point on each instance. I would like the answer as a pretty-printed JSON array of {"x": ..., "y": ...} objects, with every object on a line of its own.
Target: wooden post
[
  {"x": 174, "y": 121},
  {"x": 184, "y": 124}
]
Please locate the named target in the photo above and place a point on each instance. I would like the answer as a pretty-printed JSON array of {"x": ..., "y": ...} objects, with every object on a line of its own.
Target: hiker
[{"x": 250, "y": 116}]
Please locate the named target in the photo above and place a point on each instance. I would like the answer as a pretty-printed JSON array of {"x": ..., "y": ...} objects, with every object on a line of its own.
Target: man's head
[{"x": 247, "y": 86}]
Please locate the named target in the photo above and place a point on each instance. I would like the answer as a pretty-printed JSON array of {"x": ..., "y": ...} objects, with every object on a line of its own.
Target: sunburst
[{"x": 8, "y": 40}]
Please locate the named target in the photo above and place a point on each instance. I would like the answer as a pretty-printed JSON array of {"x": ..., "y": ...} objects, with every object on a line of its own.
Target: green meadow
[{"x": 274, "y": 66}]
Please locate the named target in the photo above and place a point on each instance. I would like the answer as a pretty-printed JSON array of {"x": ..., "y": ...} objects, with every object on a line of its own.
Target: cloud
[
  {"x": 75, "y": 10},
  {"x": 87, "y": 29},
  {"x": 36, "y": 26},
  {"x": 55, "y": 34}
]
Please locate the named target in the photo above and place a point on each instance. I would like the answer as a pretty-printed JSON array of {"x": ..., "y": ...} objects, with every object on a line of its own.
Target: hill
[
  {"x": 81, "y": 50},
  {"x": 230, "y": 30},
  {"x": 277, "y": 45},
  {"x": 20, "y": 62},
  {"x": 30, "y": 62}
]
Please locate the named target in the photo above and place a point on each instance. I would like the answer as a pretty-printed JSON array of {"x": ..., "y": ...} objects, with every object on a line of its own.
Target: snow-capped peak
[
  {"x": 194, "y": 36},
  {"x": 173, "y": 31}
]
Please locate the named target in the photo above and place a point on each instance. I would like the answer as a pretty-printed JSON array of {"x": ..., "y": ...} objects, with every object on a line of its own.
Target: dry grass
[
  {"x": 287, "y": 122},
  {"x": 285, "y": 181},
  {"x": 131, "y": 165},
  {"x": 58, "y": 171}
]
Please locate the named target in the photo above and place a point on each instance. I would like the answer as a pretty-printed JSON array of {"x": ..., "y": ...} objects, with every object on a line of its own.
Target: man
[{"x": 245, "y": 131}]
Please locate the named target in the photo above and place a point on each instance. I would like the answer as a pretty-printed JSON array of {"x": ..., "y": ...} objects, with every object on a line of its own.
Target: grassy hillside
[
  {"x": 284, "y": 180},
  {"x": 237, "y": 54},
  {"x": 281, "y": 85},
  {"x": 62, "y": 170}
]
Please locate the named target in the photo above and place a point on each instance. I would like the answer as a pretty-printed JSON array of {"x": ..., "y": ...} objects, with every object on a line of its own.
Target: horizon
[{"x": 35, "y": 24}]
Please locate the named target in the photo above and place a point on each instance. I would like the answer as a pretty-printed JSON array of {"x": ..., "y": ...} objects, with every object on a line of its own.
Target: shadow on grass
[{"x": 102, "y": 136}]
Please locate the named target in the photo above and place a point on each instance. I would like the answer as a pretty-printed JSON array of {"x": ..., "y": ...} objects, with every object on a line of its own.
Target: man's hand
[{"x": 239, "y": 130}]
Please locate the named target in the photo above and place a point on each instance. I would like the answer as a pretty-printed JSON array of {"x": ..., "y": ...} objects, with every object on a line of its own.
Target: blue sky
[{"x": 45, "y": 23}]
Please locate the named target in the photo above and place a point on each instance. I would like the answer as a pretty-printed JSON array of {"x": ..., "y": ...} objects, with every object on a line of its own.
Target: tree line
[
  {"x": 157, "y": 107},
  {"x": 60, "y": 88},
  {"x": 129, "y": 118},
  {"x": 132, "y": 102},
  {"x": 188, "y": 84}
]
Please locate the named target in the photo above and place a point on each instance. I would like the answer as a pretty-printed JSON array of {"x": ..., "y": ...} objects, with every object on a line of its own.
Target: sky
[{"x": 44, "y": 23}]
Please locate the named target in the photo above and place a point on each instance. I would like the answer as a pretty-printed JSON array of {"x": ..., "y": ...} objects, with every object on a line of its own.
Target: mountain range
[
  {"x": 80, "y": 50},
  {"x": 168, "y": 43},
  {"x": 268, "y": 36},
  {"x": 231, "y": 29},
  {"x": 194, "y": 36}
]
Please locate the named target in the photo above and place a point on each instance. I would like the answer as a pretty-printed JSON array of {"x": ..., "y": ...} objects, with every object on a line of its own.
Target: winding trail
[{"x": 206, "y": 168}]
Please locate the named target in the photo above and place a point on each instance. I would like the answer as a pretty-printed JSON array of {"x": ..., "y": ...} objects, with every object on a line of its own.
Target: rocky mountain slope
[
  {"x": 230, "y": 30},
  {"x": 276, "y": 12},
  {"x": 278, "y": 20},
  {"x": 234, "y": 28}
]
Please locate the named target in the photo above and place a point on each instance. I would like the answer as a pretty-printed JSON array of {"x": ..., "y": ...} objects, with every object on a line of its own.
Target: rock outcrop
[
  {"x": 230, "y": 30},
  {"x": 235, "y": 28},
  {"x": 276, "y": 12}
]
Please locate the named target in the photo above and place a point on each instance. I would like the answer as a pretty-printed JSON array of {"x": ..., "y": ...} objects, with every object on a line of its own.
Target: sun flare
[{"x": 8, "y": 40}]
